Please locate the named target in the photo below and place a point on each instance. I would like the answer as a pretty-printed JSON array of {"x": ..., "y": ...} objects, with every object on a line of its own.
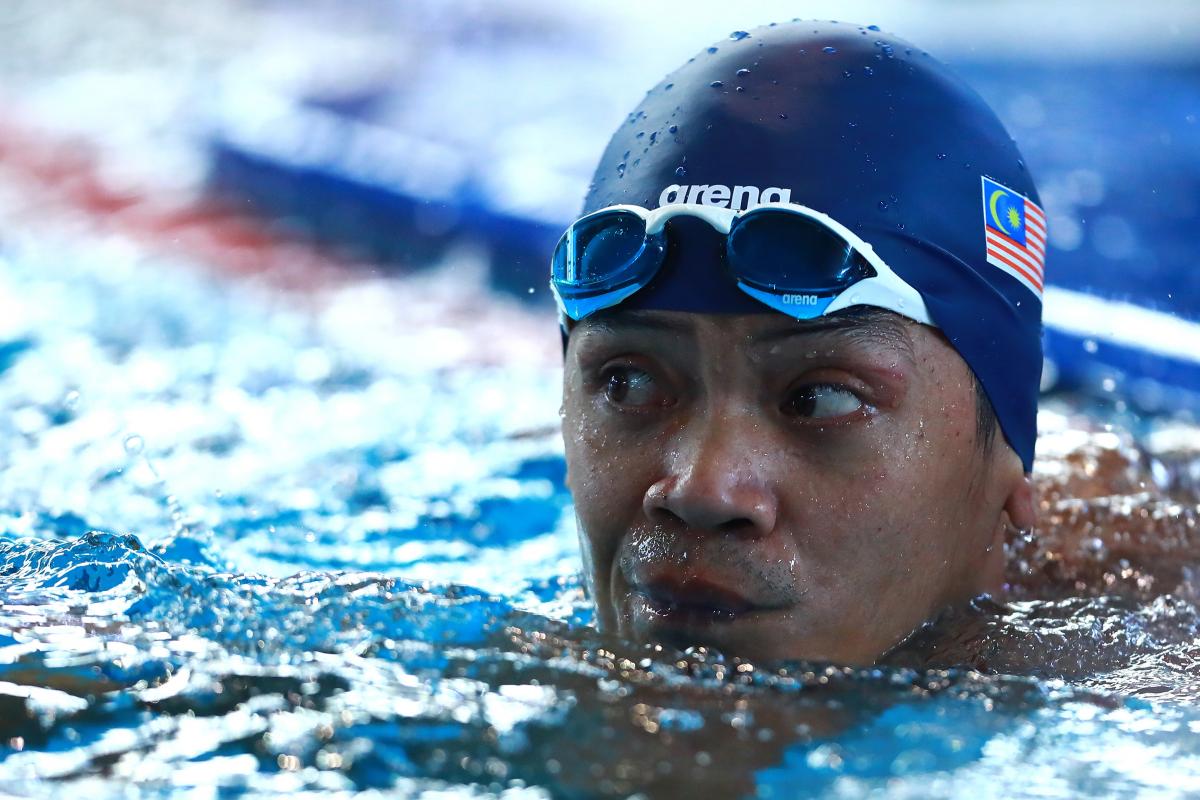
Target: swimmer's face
[{"x": 779, "y": 489}]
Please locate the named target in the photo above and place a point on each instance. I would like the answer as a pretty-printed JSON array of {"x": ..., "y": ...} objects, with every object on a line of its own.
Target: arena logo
[
  {"x": 800, "y": 299},
  {"x": 736, "y": 197}
]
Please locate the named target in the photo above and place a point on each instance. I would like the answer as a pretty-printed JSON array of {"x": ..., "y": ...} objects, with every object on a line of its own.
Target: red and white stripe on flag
[{"x": 1025, "y": 262}]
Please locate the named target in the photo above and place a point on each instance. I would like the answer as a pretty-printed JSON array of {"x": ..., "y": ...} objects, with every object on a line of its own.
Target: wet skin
[{"x": 780, "y": 489}]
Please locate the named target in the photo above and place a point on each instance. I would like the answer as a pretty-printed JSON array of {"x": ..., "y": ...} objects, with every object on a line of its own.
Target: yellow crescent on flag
[{"x": 996, "y": 195}]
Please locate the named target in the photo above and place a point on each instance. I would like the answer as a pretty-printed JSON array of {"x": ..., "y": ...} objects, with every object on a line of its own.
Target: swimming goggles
[{"x": 794, "y": 259}]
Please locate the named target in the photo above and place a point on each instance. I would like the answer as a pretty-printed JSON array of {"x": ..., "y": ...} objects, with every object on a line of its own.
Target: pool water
[{"x": 259, "y": 541}]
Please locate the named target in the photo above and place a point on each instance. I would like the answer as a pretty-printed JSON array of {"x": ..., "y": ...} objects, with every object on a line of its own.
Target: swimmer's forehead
[{"x": 859, "y": 325}]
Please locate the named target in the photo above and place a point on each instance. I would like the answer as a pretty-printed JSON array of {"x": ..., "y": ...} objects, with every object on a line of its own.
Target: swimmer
[{"x": 801, "y": 315}]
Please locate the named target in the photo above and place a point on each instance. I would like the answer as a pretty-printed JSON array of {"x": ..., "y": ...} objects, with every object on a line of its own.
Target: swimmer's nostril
[
  {"x": 665, "y": 516},
  {"x": 742, "y": 526}
]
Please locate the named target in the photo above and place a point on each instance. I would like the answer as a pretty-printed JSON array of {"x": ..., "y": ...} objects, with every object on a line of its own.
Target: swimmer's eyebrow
[
  {"x": 867, "y": 323},
  {"x": 864, "y": 324},
  {"x": 621, "y": 320}
]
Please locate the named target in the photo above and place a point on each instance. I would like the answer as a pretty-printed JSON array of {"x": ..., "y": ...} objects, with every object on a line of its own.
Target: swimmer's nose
[{"x": 715, "y": 481}]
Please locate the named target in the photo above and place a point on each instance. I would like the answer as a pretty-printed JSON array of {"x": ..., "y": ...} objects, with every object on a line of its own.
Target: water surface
[{"x": 276, "y": 541}]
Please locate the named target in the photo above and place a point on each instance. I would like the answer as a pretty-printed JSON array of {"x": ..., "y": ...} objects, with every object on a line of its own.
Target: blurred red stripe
[{"x": 58, "y": 174}]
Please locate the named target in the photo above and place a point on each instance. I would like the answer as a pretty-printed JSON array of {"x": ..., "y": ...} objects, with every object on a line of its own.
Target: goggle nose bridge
[{"x": 721, "y": 219}]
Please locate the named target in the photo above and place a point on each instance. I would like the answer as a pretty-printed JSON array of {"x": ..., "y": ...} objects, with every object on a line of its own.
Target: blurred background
[
  {"x": 307, "y": 139},
  {"x": 280, "y": 459}
]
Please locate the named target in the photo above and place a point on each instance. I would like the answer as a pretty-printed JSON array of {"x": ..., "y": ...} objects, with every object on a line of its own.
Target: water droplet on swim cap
[
  {"x": 742, "y": 72},
  {"x": 717, "y": 84},
  {"x": 872, "y": 27},
  {"x": 737, "y": 36},
  {"x": 828, "y": 49},
  {"x": 712, "y": 50}
]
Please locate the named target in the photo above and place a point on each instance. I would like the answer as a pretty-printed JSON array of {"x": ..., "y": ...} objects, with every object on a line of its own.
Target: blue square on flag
[{"x": 1004, "y": 210}]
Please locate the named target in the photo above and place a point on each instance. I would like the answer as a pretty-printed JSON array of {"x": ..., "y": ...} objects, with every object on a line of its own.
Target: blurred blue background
[{"x": 402, "y": 134}]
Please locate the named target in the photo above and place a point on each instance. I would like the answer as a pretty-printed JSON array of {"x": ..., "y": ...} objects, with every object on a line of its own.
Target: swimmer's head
[
  {"x": 882, "y": 138},
  {"x": 768, "y": 413}
]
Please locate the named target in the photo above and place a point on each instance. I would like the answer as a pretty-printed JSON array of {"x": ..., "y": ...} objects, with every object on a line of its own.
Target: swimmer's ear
[
  {"x": 1019, "y": 506},
  {"x": 562, "y": 415}
]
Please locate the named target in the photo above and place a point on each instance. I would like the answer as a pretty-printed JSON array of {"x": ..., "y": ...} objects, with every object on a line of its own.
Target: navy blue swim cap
[{"x": 878, "y": 135}]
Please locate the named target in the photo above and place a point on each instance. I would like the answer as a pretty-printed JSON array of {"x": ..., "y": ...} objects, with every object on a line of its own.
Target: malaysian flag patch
[{"x": 1015, "y": 230}]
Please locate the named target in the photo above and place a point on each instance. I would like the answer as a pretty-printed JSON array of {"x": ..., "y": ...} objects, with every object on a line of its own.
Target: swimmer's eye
[
  {"x": 821, "y": 401},
  {"x": 629, "y": 386}
]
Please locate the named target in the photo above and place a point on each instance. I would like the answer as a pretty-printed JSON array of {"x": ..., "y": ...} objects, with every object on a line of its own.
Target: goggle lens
[
  {"x": 600, "y": 253},
  {"x": 783, "y": 252}
]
